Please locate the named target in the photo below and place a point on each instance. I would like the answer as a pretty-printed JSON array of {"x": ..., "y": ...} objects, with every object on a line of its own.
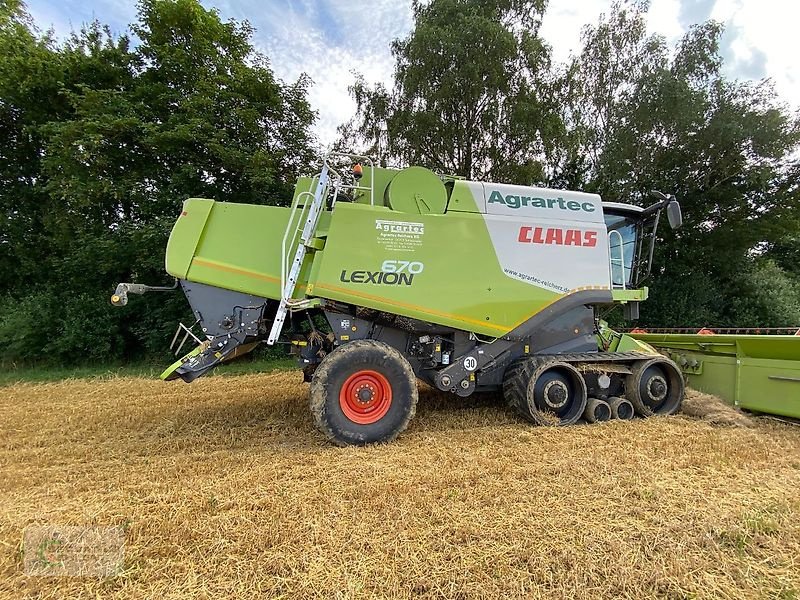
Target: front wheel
[{"x": 362, "y": 393}]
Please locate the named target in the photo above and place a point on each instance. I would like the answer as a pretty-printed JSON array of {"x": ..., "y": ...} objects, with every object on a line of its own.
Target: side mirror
[{"x": 674, "y": 214}]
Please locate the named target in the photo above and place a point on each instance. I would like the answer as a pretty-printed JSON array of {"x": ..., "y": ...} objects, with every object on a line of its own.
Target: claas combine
[{"x": 377, "y": 277}]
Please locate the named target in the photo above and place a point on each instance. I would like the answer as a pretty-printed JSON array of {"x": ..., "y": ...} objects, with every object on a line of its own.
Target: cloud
[
  {"x": 327, "y": 40},
  {"x": 563, "y": 23},
  {"x": 760, "y": 40},
  {"x": 692, "y": 12},
  {"x": 69, "y": 15},
  {"x": 742, "y": 60}
]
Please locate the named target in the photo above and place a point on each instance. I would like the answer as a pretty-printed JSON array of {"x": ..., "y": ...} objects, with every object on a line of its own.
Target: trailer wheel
[
  {"x": 362, "y": 393},
  {"x": 655, "y": 387},
  {"x": 545, "y": 392}
]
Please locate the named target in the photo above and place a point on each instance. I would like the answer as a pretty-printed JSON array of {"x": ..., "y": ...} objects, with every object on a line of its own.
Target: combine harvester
[{"x": 465, "y": 285}]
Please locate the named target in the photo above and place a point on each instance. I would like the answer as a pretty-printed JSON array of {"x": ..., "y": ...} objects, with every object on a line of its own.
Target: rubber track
[
  {"x": 598, "y": 356},
  {"x": 518, "y": 374},
  {"x": 515, "y": 384}
]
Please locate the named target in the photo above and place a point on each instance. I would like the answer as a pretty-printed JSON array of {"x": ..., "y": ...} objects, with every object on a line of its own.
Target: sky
[{"x": 330, "y": 39}]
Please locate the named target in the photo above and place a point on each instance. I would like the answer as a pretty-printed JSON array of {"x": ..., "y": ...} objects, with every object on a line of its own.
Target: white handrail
[
  {"x": 612, "y": 260},
  {"x": 295, "y": 228},
  {"x": 321, "y": 186}
]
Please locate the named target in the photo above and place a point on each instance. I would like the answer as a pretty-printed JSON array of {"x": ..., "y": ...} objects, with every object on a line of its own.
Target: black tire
[
  {"x": 515, "y": 384},
  {"x": 530, "y": 383},
  {"x": 349, "y": 394},
  {"x": 655, "y": 387}
]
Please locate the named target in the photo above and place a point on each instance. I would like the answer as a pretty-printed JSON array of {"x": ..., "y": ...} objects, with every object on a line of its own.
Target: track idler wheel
[
  {"x": 545, "y": 392},
  {"x": 655, "y": 387},
  {"x": 621, "y": 408},
  {"x": 597, "y": 411}
]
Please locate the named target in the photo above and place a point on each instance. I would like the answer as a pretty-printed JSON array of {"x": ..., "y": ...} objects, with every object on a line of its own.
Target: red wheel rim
[{"x": 365, "y": 397}]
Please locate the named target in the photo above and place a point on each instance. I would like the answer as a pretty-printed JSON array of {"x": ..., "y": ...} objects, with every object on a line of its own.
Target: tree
[
  {"x": 475, "y": 94},
  {"x": 30, "y": 81},
  {"x": 102, "y": 142},
  {"x": 641, "y": 117},
  {"x": 471, "y": 94}
]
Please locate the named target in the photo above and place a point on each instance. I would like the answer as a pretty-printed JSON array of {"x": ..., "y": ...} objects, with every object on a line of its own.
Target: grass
[
  {"x": 10, "y": 374},
  {"x": 225, "y": 490}
]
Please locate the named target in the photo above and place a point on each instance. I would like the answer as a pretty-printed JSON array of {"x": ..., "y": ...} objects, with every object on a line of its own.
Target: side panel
[
  {"x": 185, "y": 236},
  {"x": 550, "y": 238},
  {"x": 439, "y": 268},
  {"x": 237, "y": 247},
  {"x": 462, "y": 269},
  {"x": 561, "y": 256},
  {"x": 769, "y": 386},
  {"x": 467, "y": 196},
  {"x": 542, "y": 203}
]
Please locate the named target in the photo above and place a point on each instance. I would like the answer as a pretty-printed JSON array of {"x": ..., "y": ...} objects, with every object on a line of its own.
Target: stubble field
[{"x": 224, "y": 489}]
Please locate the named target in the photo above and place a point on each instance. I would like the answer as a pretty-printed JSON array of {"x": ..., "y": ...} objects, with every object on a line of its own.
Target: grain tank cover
[{"x": 417, "y": 190}]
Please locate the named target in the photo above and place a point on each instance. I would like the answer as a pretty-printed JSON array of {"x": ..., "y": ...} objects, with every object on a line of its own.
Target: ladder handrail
[
  {"x": 310, "y": 211},
  {"x": 296, "y": 229},
  {"x": 338, "y": 175}
]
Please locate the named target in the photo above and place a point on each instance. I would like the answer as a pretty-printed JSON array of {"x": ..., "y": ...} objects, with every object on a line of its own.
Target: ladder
[
  {"x": 310, "y": 210},
  {"x": 289, "y": 282}
]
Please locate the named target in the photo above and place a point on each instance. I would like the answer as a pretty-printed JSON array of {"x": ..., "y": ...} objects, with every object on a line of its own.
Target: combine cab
[{"x": 377, "y": 277}]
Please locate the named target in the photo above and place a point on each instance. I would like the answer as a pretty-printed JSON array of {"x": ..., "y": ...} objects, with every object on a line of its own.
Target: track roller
[
  {"x": 621, "y": 408},
  {"x": 597, "y": 411},
  {"x": 655, "y": 387},
  {"x": 545, "y": 392}
]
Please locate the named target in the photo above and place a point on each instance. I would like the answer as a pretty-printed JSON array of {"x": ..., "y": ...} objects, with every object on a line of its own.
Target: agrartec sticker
[{"x": 400, "y": 226}]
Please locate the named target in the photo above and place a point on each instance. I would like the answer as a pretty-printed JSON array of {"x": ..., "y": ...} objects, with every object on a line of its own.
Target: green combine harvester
[{"x": 376, "y": 277}]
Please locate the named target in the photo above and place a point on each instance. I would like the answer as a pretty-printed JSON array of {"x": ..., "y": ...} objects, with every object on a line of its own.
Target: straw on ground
[{"x": 225, "y": 490}]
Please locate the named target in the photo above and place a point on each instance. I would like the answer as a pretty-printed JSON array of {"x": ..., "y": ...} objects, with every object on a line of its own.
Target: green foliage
[
  {"x": 101, "y": 142},
  {"x": 476, "y": 95},
  {"x": 649, "y": 118},
  {"x": 769, "y": 296},
  {"x": 470, "y": 96}
]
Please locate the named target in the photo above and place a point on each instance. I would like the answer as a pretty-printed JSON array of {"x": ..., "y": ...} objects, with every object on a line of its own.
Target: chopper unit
[{"x": 376, "y": 277}]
